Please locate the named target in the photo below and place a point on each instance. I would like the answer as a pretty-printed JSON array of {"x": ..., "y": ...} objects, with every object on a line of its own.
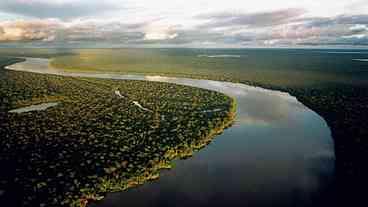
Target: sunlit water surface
[
  {"x": 278, "y": 153},
  {"x": 38, "y": 107}
]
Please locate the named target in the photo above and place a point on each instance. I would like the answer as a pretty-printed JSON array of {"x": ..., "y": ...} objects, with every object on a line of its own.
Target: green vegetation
[
  {"x": 331, "y": 84},
  {"x": 94, "y": 141},
  {"x": 345, "y": 108},
  {"x": 277, "y": 67}
]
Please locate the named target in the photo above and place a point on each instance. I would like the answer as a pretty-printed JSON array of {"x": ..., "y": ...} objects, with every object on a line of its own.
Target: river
[{"x": 278, "y": 152}]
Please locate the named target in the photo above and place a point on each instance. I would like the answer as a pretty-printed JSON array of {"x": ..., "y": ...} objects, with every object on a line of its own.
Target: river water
[
  {"x": 38, "y": 107},
  {"x": 278, "y": 153}
]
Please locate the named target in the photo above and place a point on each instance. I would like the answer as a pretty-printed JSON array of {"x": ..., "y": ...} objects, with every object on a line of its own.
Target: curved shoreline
[
  {"x": 153, "y": 173},
  {"x": 159, "y": 77},
  {"x": 182, "y": 152},
  {"x": 179, "y": 152}
]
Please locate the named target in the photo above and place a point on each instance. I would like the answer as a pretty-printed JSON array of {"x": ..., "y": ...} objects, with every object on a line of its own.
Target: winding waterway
[{"x": 278, "y": 152}]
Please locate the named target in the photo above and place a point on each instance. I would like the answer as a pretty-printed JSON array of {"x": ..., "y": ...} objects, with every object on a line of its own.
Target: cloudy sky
[{"x": 183, "y": 23}]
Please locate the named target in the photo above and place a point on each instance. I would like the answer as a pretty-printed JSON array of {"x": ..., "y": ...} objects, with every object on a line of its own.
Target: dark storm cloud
[{"x": 51, "y": 9}]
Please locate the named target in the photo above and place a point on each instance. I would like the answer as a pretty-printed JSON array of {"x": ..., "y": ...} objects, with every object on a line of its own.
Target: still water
[
  {"x": 278, "y": 153},
  {"x": 38, "y": 107}
]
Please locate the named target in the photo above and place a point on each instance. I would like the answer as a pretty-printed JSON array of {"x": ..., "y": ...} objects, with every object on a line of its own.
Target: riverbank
[
  {"x": 115, "y": 184},
  {"x": 73, "y": 159},
  {"x": 343, "y": 106},
  {"x": 331, "y": 84}
]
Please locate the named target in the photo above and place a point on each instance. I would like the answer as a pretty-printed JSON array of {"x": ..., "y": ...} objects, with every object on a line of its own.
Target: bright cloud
[
  {"x": 359, "y": 28},
  {"x": 159, "y": 32},
  {"x": 28, "y": 30}
]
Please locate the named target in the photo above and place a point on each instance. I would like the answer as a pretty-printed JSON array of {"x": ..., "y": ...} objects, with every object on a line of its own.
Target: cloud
[
  {"x": 286, "y": 27},
  {"x": 56, "y": 8},
  {"x": 188, "y": 37},
  {"x": 357, "y": 7},
  {"x": 51, "y": 31},
  {"x": 57, "y": 32},
  {"x": 339, "y": 30},
  {"x": 159, "y": 32},
  {"x": 28, "y": 30},
  {"x": 355, "y": 36},
  {"x": 337, "y": 20},
  {"x": 358, "y": 28},
  {"x": 261, "y": 19}
]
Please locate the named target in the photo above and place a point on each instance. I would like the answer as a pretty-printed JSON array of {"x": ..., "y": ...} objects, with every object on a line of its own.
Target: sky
[{"x": 183, "y": 23}]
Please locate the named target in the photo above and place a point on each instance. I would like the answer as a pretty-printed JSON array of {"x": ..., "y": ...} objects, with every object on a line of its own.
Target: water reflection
[
  {"x": 279, "y": 153},
  {"x": 39, "y": 107}
]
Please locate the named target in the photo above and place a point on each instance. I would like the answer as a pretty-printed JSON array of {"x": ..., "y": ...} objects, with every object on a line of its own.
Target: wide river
[{"x": 278, "y": 153}]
